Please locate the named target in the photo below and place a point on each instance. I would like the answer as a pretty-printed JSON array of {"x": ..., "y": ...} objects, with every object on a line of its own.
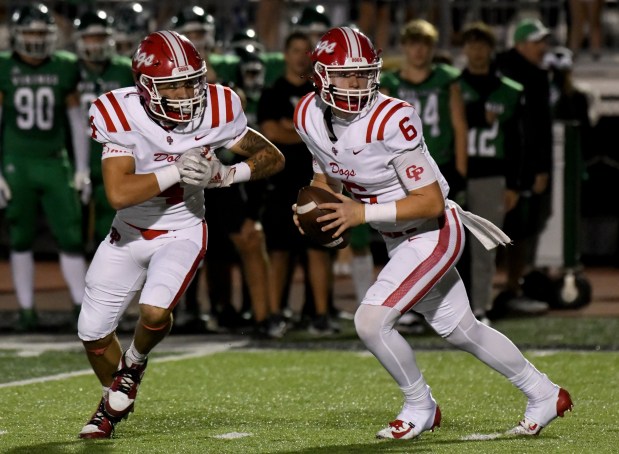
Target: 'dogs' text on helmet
[
  {"x": 197, "y": 25},
  {"x": 165, "y": 57},
  {"x": 33, "y": 31},
  {"x": 95, "y": 36},
  {"x": 344, "y": 52}
]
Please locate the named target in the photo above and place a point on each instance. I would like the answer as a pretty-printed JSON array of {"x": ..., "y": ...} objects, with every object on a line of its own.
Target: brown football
[{"x": 307, "y": 211}]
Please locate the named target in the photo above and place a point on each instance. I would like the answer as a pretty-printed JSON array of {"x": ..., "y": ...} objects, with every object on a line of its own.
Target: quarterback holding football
[
  {"x": 373, "y": 145},
  {"x": 158, "y": 139}
]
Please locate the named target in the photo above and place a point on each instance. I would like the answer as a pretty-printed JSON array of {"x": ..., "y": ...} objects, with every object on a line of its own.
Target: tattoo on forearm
[{"x": 265, "y": 159}]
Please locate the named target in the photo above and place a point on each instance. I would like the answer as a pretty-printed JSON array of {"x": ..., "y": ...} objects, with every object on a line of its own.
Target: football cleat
[
  {"x": 124, "y": 389},
  {"x": 530, "y": 427},
  {"x": 101, "y": 424},
  {"x": 402, "y": 430}
]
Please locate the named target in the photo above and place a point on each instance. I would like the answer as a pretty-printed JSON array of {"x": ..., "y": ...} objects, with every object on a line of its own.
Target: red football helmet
[
  {"x": 165, "y": 57},
  {"x": 344, "y": 52}
]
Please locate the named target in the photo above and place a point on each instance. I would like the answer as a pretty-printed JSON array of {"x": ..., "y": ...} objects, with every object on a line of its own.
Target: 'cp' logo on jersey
[
  {"x": 143, "y": 59},
  {"x": 325, "y": 46},
  {"x": 414, "y": 172}
]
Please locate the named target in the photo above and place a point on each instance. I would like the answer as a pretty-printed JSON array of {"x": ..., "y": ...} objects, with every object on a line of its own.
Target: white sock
[
  {"x": 535, "y": 385},
  {"x": 362, "y": 274},
  {"x": 417, "y": 398},
  {"x": 22, "y": 266},
  {"x": 73, "y": 268},
  {"x": 132, "y": 356},
  {"x": 104, "y": 390}
]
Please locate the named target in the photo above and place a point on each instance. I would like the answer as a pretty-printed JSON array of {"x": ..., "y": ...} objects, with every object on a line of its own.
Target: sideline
[{"x": 192, "y": 351}]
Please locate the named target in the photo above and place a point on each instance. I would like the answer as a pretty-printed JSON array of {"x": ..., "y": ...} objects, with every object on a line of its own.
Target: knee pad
[{"x": 371, "y": 321}]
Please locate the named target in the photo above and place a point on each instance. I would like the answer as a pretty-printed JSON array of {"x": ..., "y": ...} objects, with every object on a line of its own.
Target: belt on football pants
[
  {"x": 148, "y": 234},
  {"x": 398, "y": 234}
]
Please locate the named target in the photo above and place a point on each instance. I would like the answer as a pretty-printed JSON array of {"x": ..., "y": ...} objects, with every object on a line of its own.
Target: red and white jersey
[
  {"x": 120, "y": 122},
  {"x": 380, "y": 156}
]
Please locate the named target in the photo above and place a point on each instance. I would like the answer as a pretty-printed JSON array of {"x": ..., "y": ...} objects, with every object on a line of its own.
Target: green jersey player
[
  {"x": 37, "y": 95},
  {"x": 494, "y": 116},
  {"x": 101, "y": 71},
  {"x": 434, "y": 92}
]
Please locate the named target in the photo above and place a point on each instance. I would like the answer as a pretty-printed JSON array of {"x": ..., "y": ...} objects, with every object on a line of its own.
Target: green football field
[{"x": 224, "y": 397}]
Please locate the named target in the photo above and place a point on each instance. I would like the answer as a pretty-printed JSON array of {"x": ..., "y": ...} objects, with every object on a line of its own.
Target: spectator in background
[
  {"x": 38, "y": 94},
  {"x": 239, "y": 230},
  {"x": 494, "y": 115},
  {"x": 275, "y": 117},
  {"x": 523, "y": 63},
  {"x": 434, "y": 91},
  {"x": 586, "y": 15},
  {"x": 102, "y": 71}
]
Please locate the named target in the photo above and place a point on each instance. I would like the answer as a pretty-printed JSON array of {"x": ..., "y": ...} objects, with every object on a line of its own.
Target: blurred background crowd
[{"x": 518, "y": 100}]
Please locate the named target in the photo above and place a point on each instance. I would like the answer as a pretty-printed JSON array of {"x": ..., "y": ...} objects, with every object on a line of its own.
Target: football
[{"x": 307, "y": 211}]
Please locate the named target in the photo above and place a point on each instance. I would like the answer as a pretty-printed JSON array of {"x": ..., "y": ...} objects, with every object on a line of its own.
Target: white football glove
[
  {"x": 5, "y": 192},
  {"x": 82, "y": 183},
  {"x": 194, "y": 167},
  {"x": 222, "y": 175}
]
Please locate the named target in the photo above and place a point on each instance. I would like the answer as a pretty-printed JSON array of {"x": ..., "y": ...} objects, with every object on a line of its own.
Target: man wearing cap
[{"x": 523, "y": 63}]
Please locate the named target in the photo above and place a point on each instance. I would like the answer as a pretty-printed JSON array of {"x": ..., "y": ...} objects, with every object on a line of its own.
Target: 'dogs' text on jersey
[
  {"x": 362, "y": 158},
  {"x": 120, "y": 122}
]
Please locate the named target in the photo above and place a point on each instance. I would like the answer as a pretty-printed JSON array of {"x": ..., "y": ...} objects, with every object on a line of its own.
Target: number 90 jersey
[
  {"x": 119, "y": 121},
  {"x": 380, "y": 156},
  {"x": 34, "y": 107}
]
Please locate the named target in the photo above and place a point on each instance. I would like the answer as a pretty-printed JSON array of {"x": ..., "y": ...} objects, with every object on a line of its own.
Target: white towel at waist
[{"x": 485, "y": 231}]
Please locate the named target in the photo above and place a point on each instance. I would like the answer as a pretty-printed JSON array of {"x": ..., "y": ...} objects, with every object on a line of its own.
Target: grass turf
[{"x": 311, "y": 402}]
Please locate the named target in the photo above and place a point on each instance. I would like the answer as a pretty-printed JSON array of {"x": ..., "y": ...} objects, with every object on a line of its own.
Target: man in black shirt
[
  {"x": 275, "y": 118},
  {"x": 523, "y": 63}
]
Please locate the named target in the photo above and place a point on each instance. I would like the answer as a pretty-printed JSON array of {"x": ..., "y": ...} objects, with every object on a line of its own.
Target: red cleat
[
  {"x": 529, "y": 427},
  {"x": 402, "y": 430},
  {"x": 101, "y": 424},
  {"x": 124, "y": 389}
]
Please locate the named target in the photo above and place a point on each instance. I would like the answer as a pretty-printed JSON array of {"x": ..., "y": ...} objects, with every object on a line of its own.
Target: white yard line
[
  {"x": 482, "y": 437},
  {"x": 192, "y": 351}
]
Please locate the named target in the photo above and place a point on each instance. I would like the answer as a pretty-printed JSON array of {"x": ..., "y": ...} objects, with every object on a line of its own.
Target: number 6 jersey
[{"x": 379, "y": 155}]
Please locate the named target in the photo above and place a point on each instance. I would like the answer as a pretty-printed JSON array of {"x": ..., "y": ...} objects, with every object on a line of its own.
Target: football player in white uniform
[
  {"x": 157, "y": 140},
  {"x": 373, "y": 146}
]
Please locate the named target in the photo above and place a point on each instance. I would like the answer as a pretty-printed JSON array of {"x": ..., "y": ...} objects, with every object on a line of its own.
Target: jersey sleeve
[
  {"x": 105, "y": 124},
  {"x": 226, "y": 116},
  {"x": 403, "y": 136},
  {"x": 111, "y": 150}
]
